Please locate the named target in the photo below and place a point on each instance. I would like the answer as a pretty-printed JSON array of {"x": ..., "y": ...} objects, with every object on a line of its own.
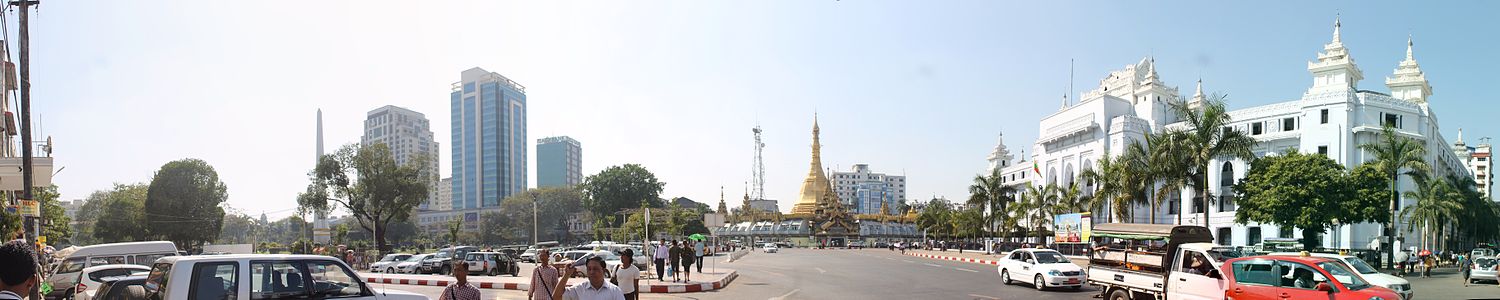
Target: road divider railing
[
  {"x": 645, "y": 288},
  {"x": 736, "y": 255}
]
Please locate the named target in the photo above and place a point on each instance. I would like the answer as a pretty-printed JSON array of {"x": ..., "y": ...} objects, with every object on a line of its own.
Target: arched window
[
  {"x": 1226, "y": 186},
  {"x": 1226, "y": 174},
  {"x": 1088, "y": 184}
]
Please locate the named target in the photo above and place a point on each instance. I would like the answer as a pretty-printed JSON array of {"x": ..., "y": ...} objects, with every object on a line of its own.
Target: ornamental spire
[
  {"x": 1198, "y": 95},
  {"x": 1336, "y": 25},
  {"x": 1408, "y": 82},
  {"x": 1408, "y": 47}
]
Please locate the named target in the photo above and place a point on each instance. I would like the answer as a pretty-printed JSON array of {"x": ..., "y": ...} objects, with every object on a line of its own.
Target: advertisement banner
[
  {"x": 1072, "y": 228},
  {"x": 31, "y": 208}
]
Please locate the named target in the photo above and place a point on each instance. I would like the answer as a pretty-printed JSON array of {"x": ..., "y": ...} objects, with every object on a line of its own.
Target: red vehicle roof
[{"x": 1310, "y": 260}]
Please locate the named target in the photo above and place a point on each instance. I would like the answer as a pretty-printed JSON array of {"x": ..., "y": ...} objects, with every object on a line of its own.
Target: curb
[
  {"x": 653, "y": 288},
  {"x": 971, "y": 260}
]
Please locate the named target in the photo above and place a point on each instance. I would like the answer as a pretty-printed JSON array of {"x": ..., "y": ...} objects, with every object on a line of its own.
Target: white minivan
[{"x": 66, "y": 273}]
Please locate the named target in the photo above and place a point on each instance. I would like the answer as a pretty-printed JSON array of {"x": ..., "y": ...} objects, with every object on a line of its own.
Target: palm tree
[
  {"x": 1071, "y": 199},
  {"x": 1208, "y": 137},
  {"x": 989, "y": 193},
  {"x": 1392, "y": 155},
  {"x": 1166, "y": 156},
  {"x": 1039, "y": 203},
  {"x": 1475, "y": 207},
  {"x": 1437, "y": 204},
  {"x": 1108, "y": 191}
]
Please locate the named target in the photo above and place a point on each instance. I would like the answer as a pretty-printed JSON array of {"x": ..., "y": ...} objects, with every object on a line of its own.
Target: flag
[{"x": 1036, "y": 169}]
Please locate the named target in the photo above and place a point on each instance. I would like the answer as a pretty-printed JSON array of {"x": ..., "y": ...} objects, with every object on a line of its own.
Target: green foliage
[
  {"x": 121, "y": 216},
  {"x": 183, "y": 203},
  {"x": 497, "y": 228},
  {"x": 1438, "y": 204},
  {"x": 988, "y": 193},
  {"x": 1203, "y": 140},
  {"x": 58, "y": 228},
  {"x": 553, "y": 205},
  {"x": 368, "y": 183},
  {"x": 10, "y": 225},
  {"x": 454, "y": 227},
  {"x": 620, "y": 187},
  {"x": 1308, "y": 191},
  {"x": 936, "y": 217},
  {"x": 240, "y": 229}
]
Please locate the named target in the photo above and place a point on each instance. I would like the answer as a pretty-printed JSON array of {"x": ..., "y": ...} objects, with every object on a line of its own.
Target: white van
[{"x": 65, "y": 274}]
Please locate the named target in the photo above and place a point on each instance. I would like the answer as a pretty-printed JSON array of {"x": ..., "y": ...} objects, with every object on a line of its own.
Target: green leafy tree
[
  {"x": 123, "y": 219},
  {"x": 1308, "y": 191},
  {"x": 1395, "y": 156},
  {"x": 454, "y": 227},
  {"x": 341, "y": 234},
  {"x": 553, "y": 206},
  {"x": 1071, "y": 199},
  {"x": 989, "y": 193},
  {"x": 1438, "y": 204},
  {"x": 1161, "y": 160},
  {"x": 366, "y": 181},
  {"x": 58, "y": 228},
  {"x": 1111, "y": 181},
  {"x": 935, "y": 217},
  {"x": 238, "y": 229},
  {"x": 183, "y": 203},
  {"x": 1476, "y": 206},
  {"x": 499, "y": 228},
  {"x": 1038, "y": 205},
  {"x": 1204, "y": 139},
  {"x": 620, "y": 187}
]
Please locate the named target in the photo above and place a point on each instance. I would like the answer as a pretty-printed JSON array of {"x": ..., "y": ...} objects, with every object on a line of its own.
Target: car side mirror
[
  {"x": 1215, "y": 274},
  {"x": 1324, "y": 287}
]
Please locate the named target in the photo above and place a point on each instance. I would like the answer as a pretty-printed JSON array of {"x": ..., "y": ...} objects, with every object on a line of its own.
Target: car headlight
[
  {"x": 1054, "y": 273},
  {"x": 1376, "y": 298},
  {"x": 1394, "y": 287}
]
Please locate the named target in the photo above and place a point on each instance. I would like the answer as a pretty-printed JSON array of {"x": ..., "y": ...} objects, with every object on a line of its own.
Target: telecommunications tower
[{"x": 758, "y": 169}]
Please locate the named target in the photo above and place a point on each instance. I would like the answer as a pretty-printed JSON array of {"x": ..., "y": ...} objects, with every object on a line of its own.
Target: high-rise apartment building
[
  {"x": 408, "y": 135},
  {"x": 444, "y": 201},
  {"x": 1477, "y": 159},
  {"x": 559, "y": 162},
  {"x": 489, "y": 139},
  {"x": 863, "y": 191}
]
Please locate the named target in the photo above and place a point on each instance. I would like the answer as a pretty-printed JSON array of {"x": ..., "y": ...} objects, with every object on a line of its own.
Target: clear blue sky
[{"x": 914, "y": 87}]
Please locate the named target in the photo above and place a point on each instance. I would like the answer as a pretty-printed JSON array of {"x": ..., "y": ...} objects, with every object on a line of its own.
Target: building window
[
  {"x": 1255, "y": 129},
  {"x": 1224, "y": 233},
  {"x": 1288, "y": 124},
  {"x": 1253, "y": 236},
  {"x": 1324, "y": 119},
  {"x": 1392, "y": 120},
  {"x": 1323, "y": 150},
  {"x": 1285, "y": 232},
  {"x": 1174, "y": 206}
]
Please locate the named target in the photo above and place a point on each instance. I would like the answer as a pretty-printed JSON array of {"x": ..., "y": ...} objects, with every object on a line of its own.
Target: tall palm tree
[
  {"x": 1166, "y": 155},
  {"x": 1475, "y": 207},
  {"x": 1039, "y": 203},
  {"x": 989, "y": 193},
  {"x": 1071, "y": 199},
  {"x": 1108, "y": 187},
  {"x": 1393, "y": 154},
  {"x": 1207, "y": 137},
  {"x": 1437, "y": 204}
]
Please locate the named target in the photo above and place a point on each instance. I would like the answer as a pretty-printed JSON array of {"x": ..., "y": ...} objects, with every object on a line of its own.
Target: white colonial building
[{"x": 1333, "y": 117}]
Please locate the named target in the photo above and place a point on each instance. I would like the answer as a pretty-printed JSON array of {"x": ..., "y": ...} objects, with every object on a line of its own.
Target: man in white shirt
[
  {"x": 661, "y": 259},
  {"x": 18, "y": 270},
  {"x": 594, "y": 289}
]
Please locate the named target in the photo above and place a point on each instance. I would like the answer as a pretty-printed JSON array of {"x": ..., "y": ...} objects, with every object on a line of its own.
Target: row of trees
[
  {"x": 1311, "y": 192},
  {"x": 183, "y": 203}
]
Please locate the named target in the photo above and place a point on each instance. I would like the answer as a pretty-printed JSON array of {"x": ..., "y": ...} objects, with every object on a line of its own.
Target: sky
[{"x": 920, "y": 88}]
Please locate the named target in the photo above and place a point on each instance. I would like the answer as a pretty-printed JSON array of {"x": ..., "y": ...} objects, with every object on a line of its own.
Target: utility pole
[
  {"x": 533, "y": 220},
  {"x": 26, "y": 180}
]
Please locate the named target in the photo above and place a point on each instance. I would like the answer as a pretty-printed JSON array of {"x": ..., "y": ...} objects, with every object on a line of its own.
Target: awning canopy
[{"x": 1162, "y": 232}]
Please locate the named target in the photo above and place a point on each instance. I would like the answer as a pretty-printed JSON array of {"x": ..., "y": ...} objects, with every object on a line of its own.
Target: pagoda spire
[
  {"x": 1335, "y": 69},
  {"x": 1408, "y": 48},
  {"x": 1408, "y": 82},
  {"x": 1336, "y": 24}
]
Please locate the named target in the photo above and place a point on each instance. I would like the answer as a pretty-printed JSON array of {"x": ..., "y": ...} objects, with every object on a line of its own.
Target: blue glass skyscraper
[{"x": 489, "y": 139}]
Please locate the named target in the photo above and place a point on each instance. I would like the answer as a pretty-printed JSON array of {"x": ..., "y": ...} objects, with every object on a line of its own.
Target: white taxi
[{"x": 1044, "y": 268}]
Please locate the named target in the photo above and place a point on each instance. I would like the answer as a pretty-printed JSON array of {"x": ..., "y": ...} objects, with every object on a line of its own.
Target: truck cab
[{"x": 1151, "y": 261}]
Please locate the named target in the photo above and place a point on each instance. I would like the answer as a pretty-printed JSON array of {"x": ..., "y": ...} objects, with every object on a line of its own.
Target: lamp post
[{"x": 533, "y": 220}]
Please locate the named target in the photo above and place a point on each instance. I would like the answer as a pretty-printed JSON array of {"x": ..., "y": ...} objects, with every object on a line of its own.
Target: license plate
[{"x": 1073, "y": 280}]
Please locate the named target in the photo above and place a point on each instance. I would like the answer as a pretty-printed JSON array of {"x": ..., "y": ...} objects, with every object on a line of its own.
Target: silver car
[{"x": 1483, "y": 269}]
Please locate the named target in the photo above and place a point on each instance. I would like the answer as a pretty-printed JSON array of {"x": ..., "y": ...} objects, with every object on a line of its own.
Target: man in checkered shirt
[{"x": 460, "y": 289}]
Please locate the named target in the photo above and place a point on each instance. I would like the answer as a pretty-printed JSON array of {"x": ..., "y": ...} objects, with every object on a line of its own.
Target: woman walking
[
  {"x": 628, "y": 276},
  {"x": 688, "y": 256}
]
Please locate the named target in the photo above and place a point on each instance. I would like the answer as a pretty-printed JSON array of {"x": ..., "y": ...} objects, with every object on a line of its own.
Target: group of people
[
  {"x": 550, "y": 281},
  {"x": 677, "y": 257}
]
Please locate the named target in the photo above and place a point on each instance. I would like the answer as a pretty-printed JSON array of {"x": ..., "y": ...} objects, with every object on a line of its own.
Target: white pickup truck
[
  {"x": 1158, "y": 262},
  {"x": 260, "y": 276}
]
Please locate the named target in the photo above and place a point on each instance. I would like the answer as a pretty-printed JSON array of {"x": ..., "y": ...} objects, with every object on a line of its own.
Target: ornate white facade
[{"x": 1333, "y": 117}]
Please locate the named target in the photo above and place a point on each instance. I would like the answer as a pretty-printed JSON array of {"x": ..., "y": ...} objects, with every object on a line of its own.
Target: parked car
[
  {"x": 122, "y": 288},
  {"x": 492, "y": 264},
  {"x": 1483, "y": 268},
  {"x": 529, "y": 255},
  {"x": 442, "y": 263},
  {"x": 770, "y": 248},
  {"x": 1278, "y": 277},
  {"x": 261, "y": 276},
  {"x": 91, "y": 278},
  {"x": 388, "y": 263},
  {"x": 65, "y": 274},
  {"x": 411, "y": 265},
  {"x": 1398, "y": 284},
  {"x": 1044, "y": 267}
]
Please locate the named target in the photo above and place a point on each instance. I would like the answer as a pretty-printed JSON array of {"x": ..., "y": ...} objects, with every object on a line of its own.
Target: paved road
[{"x": 867, "y": 274}]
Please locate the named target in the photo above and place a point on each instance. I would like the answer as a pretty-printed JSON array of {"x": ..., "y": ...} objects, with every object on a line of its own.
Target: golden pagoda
[{"x": 815, "y": 189}]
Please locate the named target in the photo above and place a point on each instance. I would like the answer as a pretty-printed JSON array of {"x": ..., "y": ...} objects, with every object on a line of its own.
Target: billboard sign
[
  {"x": 30, "y": 208},
  {"x": 1072, "y": 228}
]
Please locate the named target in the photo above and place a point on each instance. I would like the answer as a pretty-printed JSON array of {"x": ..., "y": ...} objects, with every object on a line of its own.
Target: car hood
[
  {"x": 1383, "y": 280},
  {"x": 1062, "y": 267},
  {"x": 384, "y": 294},
  {"x": 407, "y": 263}
]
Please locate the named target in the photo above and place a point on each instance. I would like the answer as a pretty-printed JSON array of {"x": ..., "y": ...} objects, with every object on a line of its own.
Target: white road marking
[
  {"x": 939, "y": 266},
  {"x": 908, "y": 261},
  {"x": 788, "y": 294},
  {"x": 983, "y": 296},
  {"x": 962, "y": 269},
  {"x": 820, "y": 270}
]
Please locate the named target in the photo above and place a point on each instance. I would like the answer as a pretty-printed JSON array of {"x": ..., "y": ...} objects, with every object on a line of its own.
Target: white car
[
  {"x": 770, "y": 248},
  {"x": 388, "y": 263},
  {"x": 92, "y": 277},
  {"x": 1374, "y": 277},
  {"x": 261, "y": 276},
  {"x": 1044, "y": 268},
  {"x": 411, "y": 265}
]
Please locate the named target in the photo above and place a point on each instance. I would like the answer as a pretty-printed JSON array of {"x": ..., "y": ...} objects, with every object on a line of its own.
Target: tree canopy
[
  {"x": 183, "y": 203},
  {"x": 366, "y": 181},
  {"x": 620, "y": 187},
  {"x": 1308, "y": 191}
]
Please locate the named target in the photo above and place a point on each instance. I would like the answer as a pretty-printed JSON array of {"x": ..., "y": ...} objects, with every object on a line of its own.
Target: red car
[{"x": 1296, "y": 277}]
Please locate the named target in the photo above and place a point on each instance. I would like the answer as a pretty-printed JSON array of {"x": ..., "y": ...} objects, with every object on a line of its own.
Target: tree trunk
[
  {"x": 380, "y": 237},
  {"x": 1310, "y": 239}
]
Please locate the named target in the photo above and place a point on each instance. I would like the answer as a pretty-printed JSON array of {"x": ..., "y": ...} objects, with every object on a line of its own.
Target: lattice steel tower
[{"x": 758, "y": 169}]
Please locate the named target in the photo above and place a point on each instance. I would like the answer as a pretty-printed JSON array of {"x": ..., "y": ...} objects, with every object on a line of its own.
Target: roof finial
[
  {"x": 1408, "y": 47},
  {"x": 1198, "y": 95},
  {"x": 1336, "y": 24}
]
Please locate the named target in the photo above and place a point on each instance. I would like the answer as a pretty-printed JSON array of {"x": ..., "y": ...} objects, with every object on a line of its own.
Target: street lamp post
[{"x": 533, "y": 220}]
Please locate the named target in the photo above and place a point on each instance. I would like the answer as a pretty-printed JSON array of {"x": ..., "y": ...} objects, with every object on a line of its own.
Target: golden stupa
[{"x": 816, "y": 188}]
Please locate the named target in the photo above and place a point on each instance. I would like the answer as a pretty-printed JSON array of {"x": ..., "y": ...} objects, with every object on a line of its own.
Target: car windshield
[
  {"x": 1341, "y": 273},
  {"x": 443, "y": 254},
  {"x": 1360, "y": 265},
  {"x": 416, "y": 258},
  {"x": 1049, "y": 257},
  {"x": 1221, "y": 254}
]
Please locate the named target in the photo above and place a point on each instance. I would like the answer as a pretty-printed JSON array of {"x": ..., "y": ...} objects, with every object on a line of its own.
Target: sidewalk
[{"x": 710, "y": 279}]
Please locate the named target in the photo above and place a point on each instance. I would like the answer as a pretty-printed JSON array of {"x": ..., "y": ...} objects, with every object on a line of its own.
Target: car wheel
[
  {"x": 445, "y": 270},
  {"x": 1119, "y": 294},
  {"x": 1038, "y": 283},
  {"x": 494, "y": 272},
  {"x": 1005, "y": 276},
  {"x": 390, "y": 270}
]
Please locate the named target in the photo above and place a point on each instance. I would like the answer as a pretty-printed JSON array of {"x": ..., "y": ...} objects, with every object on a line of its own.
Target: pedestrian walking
[
  {"x": 627, "y": 276},
  {"x": 544, "y": 277},
  {"x": 687, "y": 262},
  {"x": 1430, "y": 262},
  {"x": 674, "y": 257},
  {"x": 1463, "y": 267},
  {"x": 460, "y": 289},
  {"x": 698, "y": 253},
  {"x": 18, "y": 270},
  {"x": 596, "y": 288},
  {"x": 660, "y": 258}
]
